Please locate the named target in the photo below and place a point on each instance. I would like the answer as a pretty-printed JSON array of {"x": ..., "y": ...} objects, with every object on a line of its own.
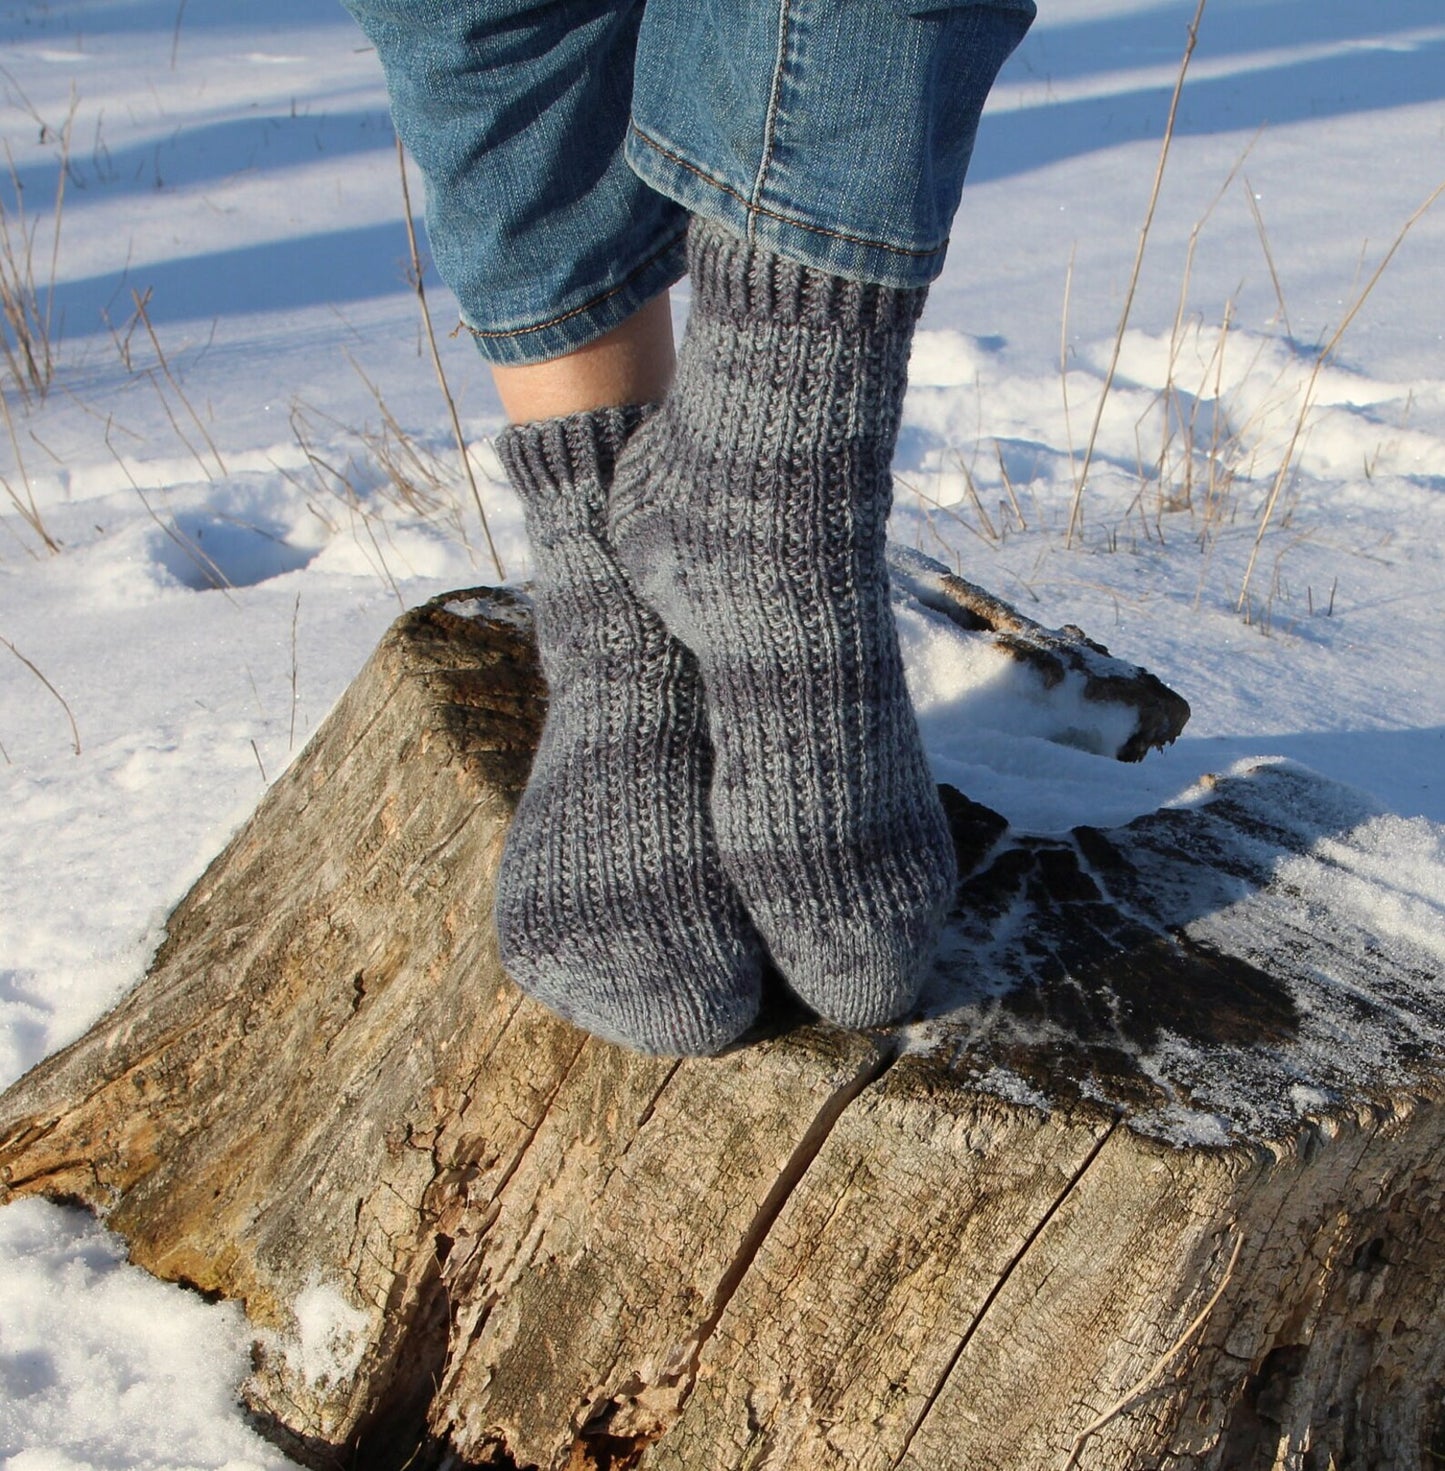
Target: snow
[
  {"x": 329, "y": 1341},
  {"x": 231, "y": 544},
  {"x": 101, "y": 1365}
]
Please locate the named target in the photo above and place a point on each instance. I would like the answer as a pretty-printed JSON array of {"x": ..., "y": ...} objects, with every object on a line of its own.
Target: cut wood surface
[{"x": 1154, "y": 1177}]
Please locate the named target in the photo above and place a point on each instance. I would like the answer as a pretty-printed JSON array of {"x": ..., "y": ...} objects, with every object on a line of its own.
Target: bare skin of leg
[{"x": 631, "y": 364}]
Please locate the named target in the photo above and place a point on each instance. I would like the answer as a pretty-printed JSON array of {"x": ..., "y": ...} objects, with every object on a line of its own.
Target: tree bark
[{"x": 1153, "y": 1179}]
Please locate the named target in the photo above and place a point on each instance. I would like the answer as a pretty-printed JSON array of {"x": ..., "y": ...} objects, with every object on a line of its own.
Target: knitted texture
[
  {"x": 612, "y": 907},
  {"x": 750, "y": 514}
]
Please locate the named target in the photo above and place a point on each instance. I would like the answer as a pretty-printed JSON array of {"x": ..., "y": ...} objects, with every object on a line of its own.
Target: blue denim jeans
[{"x": 565, "y": 143}]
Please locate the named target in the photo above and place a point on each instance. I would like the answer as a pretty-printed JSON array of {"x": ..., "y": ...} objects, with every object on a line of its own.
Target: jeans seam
[
  {"x": 586, "y": 306},
  {"x": 774, "y": 214},
  {"x": 771, "y": 122}
]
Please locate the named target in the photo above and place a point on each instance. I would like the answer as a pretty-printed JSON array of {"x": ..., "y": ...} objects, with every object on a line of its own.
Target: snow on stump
[{"x": 1155, "y": 1178}]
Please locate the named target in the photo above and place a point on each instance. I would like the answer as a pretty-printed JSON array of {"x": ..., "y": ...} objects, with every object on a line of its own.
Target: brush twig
[
  {"x": 64, "y": 703},
  {"x": 420, "y": 287},
  {"x": 1076, "y": 509},
  {"x": 1141, "y": 1386},
  {"x": 1282, "y": 475}
]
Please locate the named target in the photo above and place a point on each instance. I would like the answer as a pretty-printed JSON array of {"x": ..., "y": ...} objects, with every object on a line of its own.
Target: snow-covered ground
[{"x": 200, "y": 539}]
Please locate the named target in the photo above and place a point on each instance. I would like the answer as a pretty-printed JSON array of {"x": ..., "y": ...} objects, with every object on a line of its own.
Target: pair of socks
[{"x": 730, "y": 761}]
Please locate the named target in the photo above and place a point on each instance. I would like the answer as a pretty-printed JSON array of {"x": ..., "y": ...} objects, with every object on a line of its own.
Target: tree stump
[{"x": 1154, "y": 1179}]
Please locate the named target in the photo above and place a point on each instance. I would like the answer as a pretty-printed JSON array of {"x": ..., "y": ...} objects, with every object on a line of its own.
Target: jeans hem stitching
[
  {"x": 773, "y": 214},
  {"x": 586, "y": 306}
]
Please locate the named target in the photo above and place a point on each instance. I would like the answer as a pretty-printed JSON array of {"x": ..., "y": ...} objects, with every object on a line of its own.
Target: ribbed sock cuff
[
  {"x": 735, "y": 281},
  {"x": 549, "y": 461}
]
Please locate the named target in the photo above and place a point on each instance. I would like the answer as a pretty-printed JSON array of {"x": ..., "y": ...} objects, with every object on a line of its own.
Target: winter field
[{"x": 227, "y": 465}]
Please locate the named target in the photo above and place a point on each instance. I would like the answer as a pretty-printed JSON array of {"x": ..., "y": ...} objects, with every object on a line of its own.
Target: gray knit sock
[
  {"x": 612, "y": 907},
  {"x": 750, "y": 513}
]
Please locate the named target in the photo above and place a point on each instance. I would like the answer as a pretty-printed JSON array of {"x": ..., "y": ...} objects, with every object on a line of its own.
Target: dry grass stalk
[
  {"x": 1329, "y": 611},
  {"x": 1173, "y": 412},
  {"x": 26, "y": 306},
  {"x": 1222, "y": 457},
  {"x": 203, "y": 563},
  {"x": 1322, "y": 357},
  {"x": 420, "y": 287},
  {"x": 930, "y": 507},
  {"x": 176, "y": 33},
  {"x": 1254, "y": 210},
  {"x": 338, "y": 484},
  {"x": 295, "y": 619},
  {"x": 1137, "y": 1390},
  {"x": 1076, "y": 509},
  {"x": 142, "y": 312},
  {"x": 64, "y": 703},
  {"x": 27, "y": 509},
  {"x": 1008, "y": 486},
  {"x": 990, "y": 531},
  {"x": 1064, "y": 359},
  {"x": 123, "y": 343},
  {"x": 418, "y": 480},
  {"x": 926, "y": 507},
  {"x": 1220, "y": 476}
]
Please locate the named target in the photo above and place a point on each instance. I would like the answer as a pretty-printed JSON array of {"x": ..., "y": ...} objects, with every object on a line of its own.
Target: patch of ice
[
  {"x": 498, "y": 610},
  {"x": 1006, "y": 1084},
  {"x": 1184, "y": 1127},
  {"x": 1308, "y": 1100}
]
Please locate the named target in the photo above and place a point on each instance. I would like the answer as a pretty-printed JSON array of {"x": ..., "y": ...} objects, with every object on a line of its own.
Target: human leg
[
  {"x": 809, "y": 179},
  {"x": 751, "y": 510},
  {"x": 834, "y": 135},
  {"x": 516, "y": 111},
  {"x": 631, "y": 363},
  {"x": 611, "y": 905},
  {"x": 751, "y": 515}
]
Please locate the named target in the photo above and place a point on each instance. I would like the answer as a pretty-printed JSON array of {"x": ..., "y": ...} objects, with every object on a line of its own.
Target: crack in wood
[
  {"x": 683, "y": 1378},
  {"x": 996, "y": 1291},
  {"x": 646, "y": 1115},
  {"x": 536, "y": 1127},
  {"x": 807, "y": 1149},
  {"x": 427, "y": 859},
  {"x": 517, "y": 1002}
]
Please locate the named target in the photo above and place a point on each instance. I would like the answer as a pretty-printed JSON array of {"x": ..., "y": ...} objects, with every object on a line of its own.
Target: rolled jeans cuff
[
  {"x": 840, "y": 140},
  {"x": 574, "y": 324},
  {"x": 564, "y": 146}
]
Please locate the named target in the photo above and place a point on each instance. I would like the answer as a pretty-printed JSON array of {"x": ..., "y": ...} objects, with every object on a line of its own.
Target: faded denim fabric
[{"x": 565, "y": 142}]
